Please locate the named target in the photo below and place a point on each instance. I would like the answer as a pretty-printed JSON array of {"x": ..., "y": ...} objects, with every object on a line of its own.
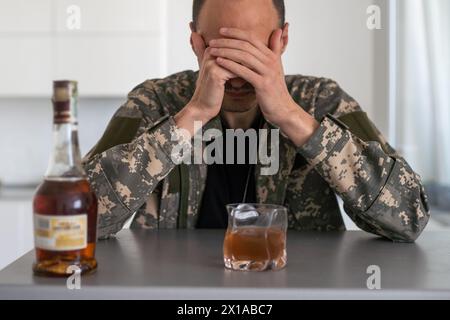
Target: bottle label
[{"x": 60, "y": 233}]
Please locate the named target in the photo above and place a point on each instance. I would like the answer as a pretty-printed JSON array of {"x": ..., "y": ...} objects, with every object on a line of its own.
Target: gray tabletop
[{"x": 188, "y": 265}]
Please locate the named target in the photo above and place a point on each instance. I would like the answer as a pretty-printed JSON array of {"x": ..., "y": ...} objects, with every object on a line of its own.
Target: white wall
[
  {"x": 16, "y": 229},
  {"x": 331, "y": 39}
]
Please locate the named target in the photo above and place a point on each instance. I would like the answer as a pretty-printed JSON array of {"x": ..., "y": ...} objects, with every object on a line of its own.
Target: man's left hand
[{"x": 249, "y": 58}]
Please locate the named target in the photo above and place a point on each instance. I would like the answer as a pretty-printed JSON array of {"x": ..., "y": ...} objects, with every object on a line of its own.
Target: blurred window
[{"x": 421, "y": 106}]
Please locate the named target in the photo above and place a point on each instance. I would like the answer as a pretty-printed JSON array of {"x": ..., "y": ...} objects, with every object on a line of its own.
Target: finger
[
  {"x": 215, "y": 69},
  {"x": 275, "y": 43},
  {"x": 240, "y": 45},
  {"x": 245, "y": 36},
  {"x": 227, "y": 74},
  {"x": 198, "y": 44},
  {"x": 241, "y": 57},
  {"x": 207, "y": 56},
  {"x": 240, "y": 71}
]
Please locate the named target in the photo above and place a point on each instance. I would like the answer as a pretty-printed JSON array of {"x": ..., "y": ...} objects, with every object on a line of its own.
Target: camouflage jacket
[{"x": 132, "y": 172}]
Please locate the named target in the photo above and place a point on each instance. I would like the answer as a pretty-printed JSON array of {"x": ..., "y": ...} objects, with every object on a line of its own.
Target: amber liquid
[
  {"x": 66, "y": 198},
  {"x": 255, "y": 248}
]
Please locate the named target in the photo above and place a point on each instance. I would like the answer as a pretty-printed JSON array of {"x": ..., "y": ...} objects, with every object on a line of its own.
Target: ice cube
[{"x": 245, "y": 212}]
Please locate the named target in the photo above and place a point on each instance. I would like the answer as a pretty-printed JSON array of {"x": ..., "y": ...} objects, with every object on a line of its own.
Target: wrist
[
  {"x": 289, "y": 115},
  {"x": 189, "y": 116},
  {"x": 197, "y": 113},
  {"x": 298, "y": 125}
]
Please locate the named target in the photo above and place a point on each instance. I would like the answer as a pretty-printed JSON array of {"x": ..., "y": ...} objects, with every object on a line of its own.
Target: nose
[{"x": 237, "y": 83}]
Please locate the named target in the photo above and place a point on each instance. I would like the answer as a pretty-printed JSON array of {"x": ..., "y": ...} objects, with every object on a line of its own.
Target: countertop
[{"x": 187, "y": 264}]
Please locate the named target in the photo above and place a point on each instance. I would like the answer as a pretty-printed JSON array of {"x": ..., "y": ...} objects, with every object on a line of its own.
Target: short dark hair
[{"x": 278, "y": 4}]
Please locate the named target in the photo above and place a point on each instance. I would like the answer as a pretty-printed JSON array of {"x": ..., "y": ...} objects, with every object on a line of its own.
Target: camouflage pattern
[{"x": 132, "y": 172}]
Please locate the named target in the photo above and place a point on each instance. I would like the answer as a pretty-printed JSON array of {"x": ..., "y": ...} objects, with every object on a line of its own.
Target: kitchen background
[{"x": 399, "y": 74}]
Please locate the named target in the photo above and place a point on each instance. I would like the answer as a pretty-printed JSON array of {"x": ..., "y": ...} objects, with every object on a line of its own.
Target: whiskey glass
[{"x": 255, "y": 239}]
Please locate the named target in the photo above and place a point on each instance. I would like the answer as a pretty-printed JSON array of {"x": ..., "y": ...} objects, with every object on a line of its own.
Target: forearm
[
  {"x": 297, "y": 124},
  {"x": 124, "y": 176},
  {"x": 381, "y": 192}
]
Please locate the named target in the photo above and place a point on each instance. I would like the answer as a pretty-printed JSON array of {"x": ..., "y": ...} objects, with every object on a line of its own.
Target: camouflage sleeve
[
  {"x": 381, "y": 193},
  {"x": 130, "y": 160}
]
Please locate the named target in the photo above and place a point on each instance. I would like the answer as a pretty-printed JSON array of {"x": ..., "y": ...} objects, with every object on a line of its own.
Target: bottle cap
[{"x": 65, "y": 93}]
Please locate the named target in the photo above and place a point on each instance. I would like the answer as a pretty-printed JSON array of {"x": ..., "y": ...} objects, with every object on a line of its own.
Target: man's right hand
[{"x": 208, "y": 96}]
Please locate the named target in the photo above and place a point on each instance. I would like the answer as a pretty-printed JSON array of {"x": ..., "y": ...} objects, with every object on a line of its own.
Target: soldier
[{"x": 328, "y": 146}]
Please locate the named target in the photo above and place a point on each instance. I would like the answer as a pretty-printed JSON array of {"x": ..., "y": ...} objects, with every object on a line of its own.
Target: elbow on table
[
  {"x": 404, "y": 227},
  {"x": 395, "y": 224},
  {"x": 409, "y": 235}
]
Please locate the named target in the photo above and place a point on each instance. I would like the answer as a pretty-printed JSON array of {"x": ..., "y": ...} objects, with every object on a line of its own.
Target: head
[{"x": 260, "y": 17}]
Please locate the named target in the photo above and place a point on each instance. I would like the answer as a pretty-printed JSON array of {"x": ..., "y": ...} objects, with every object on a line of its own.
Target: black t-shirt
[{"x": 225, "y": 184}]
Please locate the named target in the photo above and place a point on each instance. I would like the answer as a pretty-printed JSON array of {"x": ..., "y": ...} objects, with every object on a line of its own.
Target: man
[{"x": 328, "y": 145}]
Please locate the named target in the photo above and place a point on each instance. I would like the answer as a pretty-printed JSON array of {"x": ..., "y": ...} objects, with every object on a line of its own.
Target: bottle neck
[{"x": 65, "y": 159}]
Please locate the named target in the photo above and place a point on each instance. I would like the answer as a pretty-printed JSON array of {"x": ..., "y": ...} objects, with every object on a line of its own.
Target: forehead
[{"x": 256, "y": 16}]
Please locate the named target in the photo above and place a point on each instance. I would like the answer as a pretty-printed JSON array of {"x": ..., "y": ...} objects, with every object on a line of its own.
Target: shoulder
[
  {"x": 164, "y": 96},
  {"x": 308, "y": 86},
  {"x": 179, "y": 82},
  {"x": 320, "y": 95}
]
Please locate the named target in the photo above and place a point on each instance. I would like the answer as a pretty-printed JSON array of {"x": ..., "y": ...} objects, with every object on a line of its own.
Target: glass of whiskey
[{"x": 256, "y": 237}]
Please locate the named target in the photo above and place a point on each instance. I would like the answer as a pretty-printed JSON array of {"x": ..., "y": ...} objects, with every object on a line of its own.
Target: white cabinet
[
  {"x": 26, "y": 65},
  {"x": 25, "y": 16},
  {"x": 118, "y": 45},
  {"x": 16, "y": 230},
  {"x": 110, "y": 16},
  {"x": 106, "y": 66}
]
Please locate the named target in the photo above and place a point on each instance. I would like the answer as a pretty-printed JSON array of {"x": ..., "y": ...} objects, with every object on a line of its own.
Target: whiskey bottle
[{"x": 64, "y": 206}]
